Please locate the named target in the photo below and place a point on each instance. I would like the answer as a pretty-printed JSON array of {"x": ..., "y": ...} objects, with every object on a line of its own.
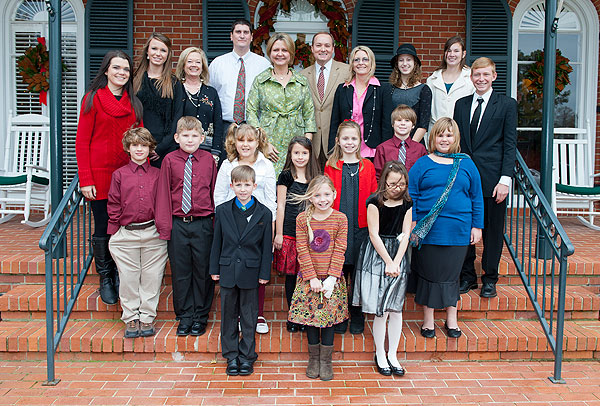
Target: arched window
[
  {"x": 26, "y": 21},
  {"x": 577, "y": 40}
]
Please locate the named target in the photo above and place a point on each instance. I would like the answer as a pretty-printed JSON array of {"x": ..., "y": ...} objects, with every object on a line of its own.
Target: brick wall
[{"x": 425, "y": 24}]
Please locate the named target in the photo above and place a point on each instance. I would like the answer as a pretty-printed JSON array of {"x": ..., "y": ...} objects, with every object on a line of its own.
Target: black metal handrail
[
  {"x": 538, "y": 244},
  {"x": 68, "y": 256}
]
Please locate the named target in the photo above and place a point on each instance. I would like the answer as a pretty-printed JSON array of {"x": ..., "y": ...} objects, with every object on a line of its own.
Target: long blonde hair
[
  {"x": 236, "y": 132},
  {"x": 165, "y": 82},
  {"x": 371, "y": 57},
  {"x": 313, "y": 186},
  {"x": 337, "y": 153}
]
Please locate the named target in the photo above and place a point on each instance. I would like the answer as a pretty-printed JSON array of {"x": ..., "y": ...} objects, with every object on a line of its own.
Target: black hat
[{"x": 405, "y": 49}]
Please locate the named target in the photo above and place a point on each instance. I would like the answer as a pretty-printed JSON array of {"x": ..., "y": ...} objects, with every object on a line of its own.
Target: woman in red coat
[{"x": 109, "y": 108}]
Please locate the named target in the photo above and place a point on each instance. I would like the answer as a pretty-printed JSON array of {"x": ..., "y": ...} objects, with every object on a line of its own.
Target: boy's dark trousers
[
  {"x": 189, "y": 254},
  {"x": 243, "y": 303}
]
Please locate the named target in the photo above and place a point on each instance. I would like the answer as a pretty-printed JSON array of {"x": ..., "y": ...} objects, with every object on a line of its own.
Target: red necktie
[{"x": 239, "y": 103}]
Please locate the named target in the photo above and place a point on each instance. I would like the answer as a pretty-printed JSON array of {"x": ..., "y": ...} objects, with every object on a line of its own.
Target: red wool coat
[
  {"x": 98, "y": 145},
  {"x": 367, "y": 184}
]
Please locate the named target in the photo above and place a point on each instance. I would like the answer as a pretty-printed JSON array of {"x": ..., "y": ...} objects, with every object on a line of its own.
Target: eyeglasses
[
  {"x": 399, "y": 185},
  {"x": 359, "y": 60}
]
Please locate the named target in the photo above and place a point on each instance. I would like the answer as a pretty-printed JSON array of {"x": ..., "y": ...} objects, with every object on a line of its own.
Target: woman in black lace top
[{"x": 198, "y": 99}]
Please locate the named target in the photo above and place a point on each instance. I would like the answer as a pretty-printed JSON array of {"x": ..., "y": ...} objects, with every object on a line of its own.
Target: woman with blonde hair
[
  {"x": 198, "y": 99},
  {"x": 280, "y": 100},
  {"x": 362, "y": 99},
  {"x": 156, "y": 88}
]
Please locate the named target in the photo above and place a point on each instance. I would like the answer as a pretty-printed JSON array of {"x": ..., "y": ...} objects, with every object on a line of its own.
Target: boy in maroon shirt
[
  {"x": 400, "y": 147},
  {"x": 138, "y": 252},
  {"x": 184, "y": 217}
]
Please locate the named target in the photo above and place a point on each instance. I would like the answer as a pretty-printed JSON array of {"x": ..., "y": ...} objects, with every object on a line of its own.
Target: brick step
[
  {"x": 487, "y": 339},
  {"x": 26, "y": 302}
]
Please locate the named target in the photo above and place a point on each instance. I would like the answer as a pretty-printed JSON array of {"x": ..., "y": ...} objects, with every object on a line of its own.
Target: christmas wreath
[
  {"x": 33, "y": 67},
  {"x": 332, "y": 9},
  {"x": 533, "y": 78}
]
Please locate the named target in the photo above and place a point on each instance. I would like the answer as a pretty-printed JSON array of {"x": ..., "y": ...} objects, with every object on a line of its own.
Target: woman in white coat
[{"x": 451, "y": 81}]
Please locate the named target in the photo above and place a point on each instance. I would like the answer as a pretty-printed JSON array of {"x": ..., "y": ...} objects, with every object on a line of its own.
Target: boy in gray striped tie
[{"x": 184, "y": 217}]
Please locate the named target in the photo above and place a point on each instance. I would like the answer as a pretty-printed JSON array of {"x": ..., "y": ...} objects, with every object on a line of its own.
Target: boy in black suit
[
  {"x": 240, "y": 260},
  {"x": 488, "y": 127}
]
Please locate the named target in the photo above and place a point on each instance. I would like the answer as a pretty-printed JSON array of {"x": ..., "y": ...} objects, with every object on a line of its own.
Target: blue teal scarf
[{"x": 424, "y": 225}]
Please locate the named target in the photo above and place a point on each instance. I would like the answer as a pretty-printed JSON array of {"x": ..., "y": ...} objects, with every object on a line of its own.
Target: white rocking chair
[
  {"x": 25, "y": 178},
  {"x": 573, "y": 187}
]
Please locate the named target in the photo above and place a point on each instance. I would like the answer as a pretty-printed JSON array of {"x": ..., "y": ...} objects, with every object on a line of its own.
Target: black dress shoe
[
  {"x": 341, "y": 328},
  {"x": 488, "y": 290},
  {"x": 398, "y": 371},
  {"x": 427, "y": 333},
  {"x": 452, "y": 332},
  {"x": 292, "y": 327},
  {"x": 466, "y": 286},
  {"x": 232, "y": 367},
  {"x": 385, "y": 371},
  {"x": 246, "y": 368},
  {"x": 183, "y": 329},
  {"x": 198, "y": 329},
  {"x": 302, "y": 327}
]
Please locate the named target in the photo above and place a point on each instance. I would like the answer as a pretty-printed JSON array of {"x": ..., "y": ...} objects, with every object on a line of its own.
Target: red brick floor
[{"x": 356, "y": 383}]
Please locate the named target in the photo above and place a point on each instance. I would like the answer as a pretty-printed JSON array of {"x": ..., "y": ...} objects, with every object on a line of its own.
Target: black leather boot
[{"x": 105, "y": 266}]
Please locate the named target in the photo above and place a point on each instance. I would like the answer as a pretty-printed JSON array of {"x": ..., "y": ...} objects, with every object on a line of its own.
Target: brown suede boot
[
  {"x": 312, "y": 370},
  {"x": 325, "y": 367}
]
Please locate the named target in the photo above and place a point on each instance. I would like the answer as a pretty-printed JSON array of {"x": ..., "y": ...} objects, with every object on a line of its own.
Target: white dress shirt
[
  {"x": 223, "y": 72},
  {"x": 486, "y": 100},
  {"x": 265, "y": 190},
  {"x": 504, "y": 180},
  {"x": 326, "y": 72}
]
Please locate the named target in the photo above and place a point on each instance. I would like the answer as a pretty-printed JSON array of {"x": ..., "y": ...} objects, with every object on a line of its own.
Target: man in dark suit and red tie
[{"x": 488, "y": 126}]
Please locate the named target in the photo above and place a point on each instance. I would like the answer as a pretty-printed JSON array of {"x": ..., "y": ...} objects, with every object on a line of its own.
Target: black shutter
[
  {"x": 216, "y": 22},
  {"x": 375, "y": 24},
  {"x": 109, "y": 25},
  {"x": 489, "y": 27}
]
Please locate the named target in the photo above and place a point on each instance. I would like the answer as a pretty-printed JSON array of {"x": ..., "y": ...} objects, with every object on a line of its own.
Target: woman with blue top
[{"x": 448, "y": 211}]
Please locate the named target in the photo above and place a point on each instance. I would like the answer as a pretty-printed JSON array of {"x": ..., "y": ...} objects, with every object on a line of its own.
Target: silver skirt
[{"x": 374, "y": 290}]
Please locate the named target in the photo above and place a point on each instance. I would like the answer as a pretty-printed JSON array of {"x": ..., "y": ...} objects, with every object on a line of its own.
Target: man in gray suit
[{"x": 323, "y": 78}]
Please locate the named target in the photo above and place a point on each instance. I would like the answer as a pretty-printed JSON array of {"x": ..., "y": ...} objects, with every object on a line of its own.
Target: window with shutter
[
  {"x": 216, "y": 22},
  {"x": 489, "y": 24},
  {"x": 375, "y": 24},
  {"x": 30, "y": 21},
  {"x": 109, "y": 26}
]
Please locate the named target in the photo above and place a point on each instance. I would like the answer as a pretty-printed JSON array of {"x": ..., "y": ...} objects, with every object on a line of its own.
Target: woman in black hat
[{"x": 406, "y": 88}]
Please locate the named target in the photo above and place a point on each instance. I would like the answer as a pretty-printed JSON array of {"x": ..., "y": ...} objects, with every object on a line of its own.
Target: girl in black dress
[{"x": 155, "y": 86}]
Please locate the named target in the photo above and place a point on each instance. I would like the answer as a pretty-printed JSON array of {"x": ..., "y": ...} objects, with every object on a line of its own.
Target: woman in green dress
[{"x": 280, "y": 101}]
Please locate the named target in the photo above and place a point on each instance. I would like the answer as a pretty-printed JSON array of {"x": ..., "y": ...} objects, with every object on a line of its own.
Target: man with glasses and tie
[
  {"x": 232, "y": 74},
  {"x": 323, "y": 78},
  {"x": 488, "y": 127}
]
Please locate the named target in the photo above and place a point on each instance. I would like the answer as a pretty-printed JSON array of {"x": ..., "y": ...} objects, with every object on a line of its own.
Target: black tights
[
  {"x": 100, "y": 212},
  {"x": 313, "y": 333},
  {"x": 290, "y": 285}
]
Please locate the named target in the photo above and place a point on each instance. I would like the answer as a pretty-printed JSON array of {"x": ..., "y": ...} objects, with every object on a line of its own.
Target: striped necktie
[
  {"x": 186, "y": 197},
  {"x": 402, "y": 153},
  {"x": 239, "y": 103}
]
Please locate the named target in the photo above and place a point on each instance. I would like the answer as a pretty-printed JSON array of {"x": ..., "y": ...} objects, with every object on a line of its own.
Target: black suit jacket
[
  {"x": 377, "y": 110},
  {"x": 241, "y": 260},
  {"x": 494, "y": 147}
]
